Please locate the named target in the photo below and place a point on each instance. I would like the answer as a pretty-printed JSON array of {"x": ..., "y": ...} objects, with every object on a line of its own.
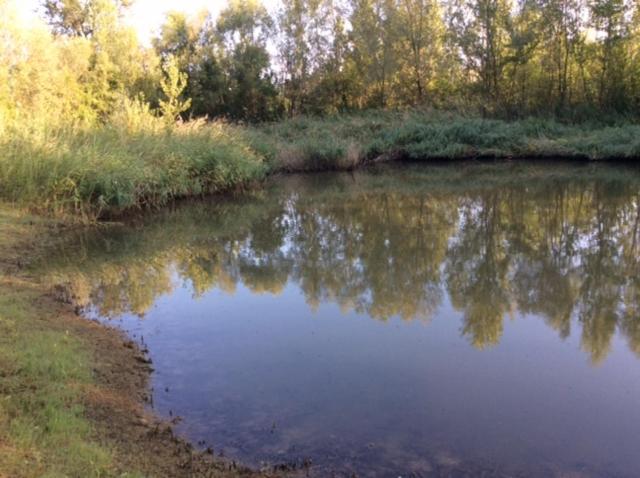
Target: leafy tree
[
  {"x": 117, "y": 64},
  {"x": 561, "y": 39},
  {"x": 194, "y": 45},
  {"x": 333, "y": 88},
  {"x": 311, "y": 39},
  {"x": 420, "y": 47},
  {"x": 173, "y": 85},
  {"x": 482, "y": 30},
  {"x": 242, "y": 30},
  {"x": 40, "y": 76},
  {"x": 373, "y": 36},
  {"x": 609, "y": 18},
  {"x": 80, "y": 17},
  {"x": 633, "y": 55},
  {"x": 180, "y": 37},
  {"x": 569, "y": 58}
]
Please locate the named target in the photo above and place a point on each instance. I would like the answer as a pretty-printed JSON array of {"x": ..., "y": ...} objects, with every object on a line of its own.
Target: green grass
[
  {"x": 98, "y": 170},
  {"x": 347, "y": 140},
  {"x": 43, "y": 431},
  {"x": 137, "y": 160},
  {"x": 45, "y": 369}
]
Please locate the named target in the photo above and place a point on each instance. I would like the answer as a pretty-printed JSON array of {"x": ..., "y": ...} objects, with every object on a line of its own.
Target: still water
[{"x": 444, "y": 320}]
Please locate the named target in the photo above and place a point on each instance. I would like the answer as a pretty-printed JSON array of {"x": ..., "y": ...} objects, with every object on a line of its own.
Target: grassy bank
[
  {"x": 345, "y": 141},
  {"x": 43, "y": 370},
  {"x": 130, "y": 162},
  {"x": 137, "y": 160},
  {"x": 43, "y": 430}
]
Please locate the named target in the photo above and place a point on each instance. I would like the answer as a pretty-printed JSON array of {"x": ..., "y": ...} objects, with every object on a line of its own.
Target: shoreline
[{"x": 113, "y": 402}]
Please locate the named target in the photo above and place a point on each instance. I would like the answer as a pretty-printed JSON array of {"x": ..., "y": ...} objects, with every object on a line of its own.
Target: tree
[
  {"x": 194, "y": 45},
  {"x": 173, "y": 85},
  {"x": 633, "y": 55},
  {"x": 482, "y": 32},
  {"x": 308, "y": 32},
  {"x": 501, "y": 57},
  {"x": 242, "y": 30},
  {"x": 561, "y": 37},
  {"x": 117, "y": 66},
  {"x": 334, "y": 86},
  {"x": 421, "y": 32},
  {"x": 79, "y": 17},
  {"x": 41, "y": 76},
  {"x": 609, "y": 19},
  {"x": 180, "y": 37},
  {"x": 372, "y": 37}
]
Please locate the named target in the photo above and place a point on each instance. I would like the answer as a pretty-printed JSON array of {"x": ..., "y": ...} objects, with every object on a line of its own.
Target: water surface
[{"x": 426, "y": 320}]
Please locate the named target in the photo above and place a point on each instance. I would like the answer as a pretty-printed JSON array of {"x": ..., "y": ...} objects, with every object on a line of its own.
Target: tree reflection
[
  {"x": 563, "y": 249},
  {"x": 477, "y": 265}
]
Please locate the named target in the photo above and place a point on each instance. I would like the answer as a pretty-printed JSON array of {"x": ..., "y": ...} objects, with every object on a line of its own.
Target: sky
[{"x": 146, "y": 16}]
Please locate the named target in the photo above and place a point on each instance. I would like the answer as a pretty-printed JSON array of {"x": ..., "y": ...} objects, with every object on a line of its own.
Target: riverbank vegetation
[
  {"x": 89, "y": 170},
  {"x": 343, "y": 141},
  {"x": 136, "y": 160},
  {"x": 93, "y": 123}
]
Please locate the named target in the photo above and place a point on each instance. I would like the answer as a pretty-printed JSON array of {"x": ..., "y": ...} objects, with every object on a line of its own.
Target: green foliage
[
  {"x": 242, "y": 30},
  {"x": 572, "y": 59},
  {"x": 40, "y": 410},
  {"x": 226, "y": 61},
  {"x": 564, "y": 58},
  {"x": 172, "y": 86},
  {"x": 183, "y": 39},
  {"x": 80, "y": 17},
  {"x": 131, "y": 162},
  {"x": 77, "y": 138},
  {"x": 343, "y": 141}
]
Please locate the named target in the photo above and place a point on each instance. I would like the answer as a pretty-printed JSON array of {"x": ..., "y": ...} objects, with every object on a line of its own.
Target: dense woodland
[{"x": 567, "y": 58}]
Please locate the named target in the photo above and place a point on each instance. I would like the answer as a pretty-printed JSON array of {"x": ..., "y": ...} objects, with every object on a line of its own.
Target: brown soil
[{"x": 116, "y": 402}]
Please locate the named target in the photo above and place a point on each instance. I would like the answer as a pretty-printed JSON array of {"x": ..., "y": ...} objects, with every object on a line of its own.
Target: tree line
[
  {"x": 548, "y": 57},
  {"x": 565, "y": 58}
]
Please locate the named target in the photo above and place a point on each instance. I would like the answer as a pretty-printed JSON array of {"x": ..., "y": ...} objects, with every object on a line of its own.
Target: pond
[{"x": 419, "y": 320}]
